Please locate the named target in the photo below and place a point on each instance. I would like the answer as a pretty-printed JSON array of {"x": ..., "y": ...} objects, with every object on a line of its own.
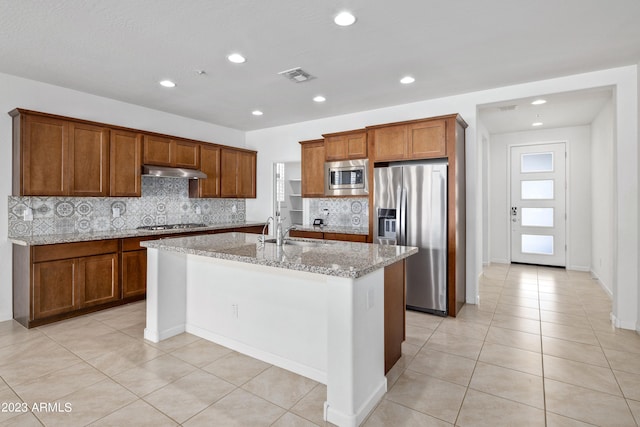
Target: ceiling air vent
[
  {"x": 297, "y": 75},
  {"x": 508, "y": 107}
]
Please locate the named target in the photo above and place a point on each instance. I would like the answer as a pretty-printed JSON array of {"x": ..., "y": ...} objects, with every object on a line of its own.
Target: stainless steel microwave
[{"x": 346, "y": 178}]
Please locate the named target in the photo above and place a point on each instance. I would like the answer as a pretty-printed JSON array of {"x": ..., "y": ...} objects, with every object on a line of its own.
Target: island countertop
[{"x": 327, "y": 257}]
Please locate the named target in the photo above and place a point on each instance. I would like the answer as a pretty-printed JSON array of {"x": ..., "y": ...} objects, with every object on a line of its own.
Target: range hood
[{"x": 167, "y": 172}]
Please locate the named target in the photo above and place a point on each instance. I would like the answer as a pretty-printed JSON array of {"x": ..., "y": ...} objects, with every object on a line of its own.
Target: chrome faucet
[
  {"x": 266, "y": 224},
  {"x": 280, "y": 234}
]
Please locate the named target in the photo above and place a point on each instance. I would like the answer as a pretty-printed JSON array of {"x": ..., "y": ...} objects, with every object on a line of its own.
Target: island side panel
[
  {"x": 355, "y": 371},
  {"x": 166, "y": 294},
  {"x": 272, "y": 314}
]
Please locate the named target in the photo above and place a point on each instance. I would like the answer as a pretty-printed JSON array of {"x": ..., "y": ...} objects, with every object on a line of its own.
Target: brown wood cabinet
[
  {"x": 346, "y": 237},
  {"x": 237, "y": 173},
  {"x": 312, "y": 168},
  {"x": 165, "y": 151},
  {"x": 394, "y": 313},
  {"x": 125, "y": 161},
  {"x": 52, "y": 282},
  {"x": 345, "y": 145},
  {"x": 56, "y": 157},
  {"x": 209, "y": 164},
  {"x": 420, "y": 139}
]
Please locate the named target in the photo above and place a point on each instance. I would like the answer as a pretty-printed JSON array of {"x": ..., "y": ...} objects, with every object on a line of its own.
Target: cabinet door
[
  {"x": 427, "y": 140},
  {"x": 54, "y": 284},
  {"x": 228, "y": 171},
  {"x": 157, "y": 151},
  {"x": 394, "y": 313},
  {"x": 186, "y": 155},
  {"x": 125, "y": 163},
  {"x": 357, "y": 146},
  {"x": 45, "y": 148},
  {"x": 98, "y": 279},
  {"x": 303, "y": 234},
  {"x": 246, "y": 174},
  {"x": 88, "y": 160},
  {"x": 347, "y": 146},
  {"x": 390, "y": 143},
  {"x": 134, "y": 273},
  {"x": 209, "y": 164},
  {"x": 313, "y": 169},
  {"x": 335, "y": 147}
]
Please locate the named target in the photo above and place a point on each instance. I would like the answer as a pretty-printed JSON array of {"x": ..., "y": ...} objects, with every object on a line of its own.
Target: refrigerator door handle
[
  {"x": 399, "y": 223},
  {"x": 403, "y": 217}
]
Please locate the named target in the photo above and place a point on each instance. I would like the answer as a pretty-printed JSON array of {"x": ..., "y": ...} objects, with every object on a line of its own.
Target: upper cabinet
[
  {"x": 345, "y": 145},
  {"x": 125, "y": 161},
  {"x": 55, "y": 157},
  {"x": 421, "y": 139},
  {"x": 209, "y": 164},
  {"x": 162, "y": 151},
  {"x": 63, "y": 156},
  {"x": 313, "y": 157},
  {"x": 237, "y": 173}
]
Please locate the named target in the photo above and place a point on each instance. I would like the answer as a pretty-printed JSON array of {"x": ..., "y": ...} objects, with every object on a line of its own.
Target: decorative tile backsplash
[
  {"x": 343, "y": 212},
  {"x": 163, "y": 201}
]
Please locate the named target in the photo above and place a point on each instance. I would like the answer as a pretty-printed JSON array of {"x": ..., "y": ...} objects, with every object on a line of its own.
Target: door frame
[{"x": 567, "y": 173}]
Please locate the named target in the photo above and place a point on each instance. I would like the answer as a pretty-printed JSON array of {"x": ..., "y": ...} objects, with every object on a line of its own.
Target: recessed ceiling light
[
  {"x": 319, "y": 98},
  {"x": 257, "y": 113},
  {"x": 539, "y": 102},
  {"x": 344, "y": 19},
  {"x": 407, "y": 80},
  {"x": 236, "y": 58},
  {"x": 167, "y": 83},
  {"x": 536, "y": 124}
]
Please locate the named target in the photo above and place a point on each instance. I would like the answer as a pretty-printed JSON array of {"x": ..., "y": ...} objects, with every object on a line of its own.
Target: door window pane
[
  {"x": 538, "y": 162},
  {"x": 537, "y": 190},
  {"x": 537, "y": 244},
  {"x": 537, "y": 217}
]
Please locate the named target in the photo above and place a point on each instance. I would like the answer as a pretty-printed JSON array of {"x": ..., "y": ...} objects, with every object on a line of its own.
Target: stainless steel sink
[{"x": 307, "y": 243}]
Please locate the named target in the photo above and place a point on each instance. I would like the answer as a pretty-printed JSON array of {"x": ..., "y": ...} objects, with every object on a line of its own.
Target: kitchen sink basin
[{"x": 305, "y": 243}]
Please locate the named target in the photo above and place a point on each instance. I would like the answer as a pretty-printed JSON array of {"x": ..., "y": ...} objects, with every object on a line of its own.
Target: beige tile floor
[{"x": 538, "y": 350}]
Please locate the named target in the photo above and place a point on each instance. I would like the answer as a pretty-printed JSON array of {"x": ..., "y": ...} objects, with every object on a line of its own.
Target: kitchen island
[{"x": 315, "y": 308}]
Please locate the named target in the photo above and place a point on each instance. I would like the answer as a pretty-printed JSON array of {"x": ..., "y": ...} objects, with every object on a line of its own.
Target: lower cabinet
[
  {"x": 55, "y": 282},
  {"x": 328, "y": 236},
  {"x": 64, "y": 279}
]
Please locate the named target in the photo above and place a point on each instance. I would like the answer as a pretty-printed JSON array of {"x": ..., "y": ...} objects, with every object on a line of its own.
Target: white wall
[
  {"x": 22, "y": 93},
  {"x": 578, "y": 146},
  {"x": 484, "y": 138},
  {"x": 282, "y": 144},
  {"x": 602, "y": 185}
]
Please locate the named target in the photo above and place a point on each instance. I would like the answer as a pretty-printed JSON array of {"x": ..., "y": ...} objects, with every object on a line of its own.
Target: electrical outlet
[
  {"x": 234, "y": 311},
  {"x": 116, "y": 212},
  {"x": 234, "y": 208},
  {"x": 27, "y": 215},
  {"x": 198, "y": 210}
]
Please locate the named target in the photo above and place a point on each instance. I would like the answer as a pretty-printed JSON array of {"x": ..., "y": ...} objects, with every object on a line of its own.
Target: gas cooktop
[{"x": 171, "y": 226}]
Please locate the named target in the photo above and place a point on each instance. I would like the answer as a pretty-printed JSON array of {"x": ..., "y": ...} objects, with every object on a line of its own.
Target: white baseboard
[
  {"x": 602, "y": 285},
  {"x": 499, "y": 261},
  {"x": 579, "y": 268},
  {"x": 623, "y": 324}
]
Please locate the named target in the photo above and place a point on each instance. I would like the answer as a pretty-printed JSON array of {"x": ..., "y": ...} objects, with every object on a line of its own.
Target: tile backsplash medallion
[
  {"x": 342, "y": 212},
  {"x": 163, "y": 201}
]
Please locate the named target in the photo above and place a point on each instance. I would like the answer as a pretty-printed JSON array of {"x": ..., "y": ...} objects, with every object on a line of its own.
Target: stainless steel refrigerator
[{"x": 410, "y": 208}]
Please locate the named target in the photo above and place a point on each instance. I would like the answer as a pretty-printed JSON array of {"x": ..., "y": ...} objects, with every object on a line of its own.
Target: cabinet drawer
[
  {"x": 73, "y": 250},
  {"x": 307, "y": 234},
  {"x": 345, "y": 237}
]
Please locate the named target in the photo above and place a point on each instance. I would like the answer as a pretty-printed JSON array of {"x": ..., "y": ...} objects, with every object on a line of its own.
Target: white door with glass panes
[{"x": 538, "y": 209}]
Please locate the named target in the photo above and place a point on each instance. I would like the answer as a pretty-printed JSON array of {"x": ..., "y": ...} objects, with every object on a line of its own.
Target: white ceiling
[
  {"x": 122, "y": 48},
  {"x": 575, "y": 108}
]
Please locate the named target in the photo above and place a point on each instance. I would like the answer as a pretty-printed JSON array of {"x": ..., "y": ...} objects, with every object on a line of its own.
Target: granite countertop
[
  {"x": 51, "y": 239},
  {"x": 332, "y": 258},
  {"x": 334, "y": 229}
]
